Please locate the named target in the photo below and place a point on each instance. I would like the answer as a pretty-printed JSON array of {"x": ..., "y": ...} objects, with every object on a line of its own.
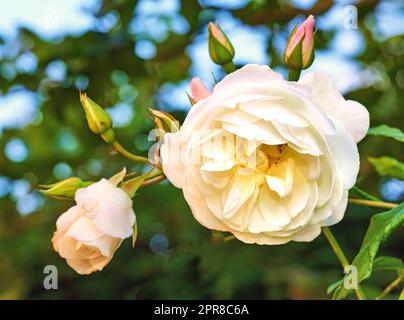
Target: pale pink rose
[{"x": 88, "y": 234}]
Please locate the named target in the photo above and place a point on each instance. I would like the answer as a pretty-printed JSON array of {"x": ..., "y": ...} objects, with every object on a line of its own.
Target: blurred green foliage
[{"x": 187, "y": 260}]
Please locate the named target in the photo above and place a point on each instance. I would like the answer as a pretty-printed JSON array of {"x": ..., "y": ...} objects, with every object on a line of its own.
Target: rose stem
[
  {"x": 390, "y": 287},
  {"x": 118, "y": 147},
  {"x": 293, "y": 75},
  {"x": 229, "y": 67},
  {"x": 341, "y": 257},
  {"x": 153, "y": 180},
  {"x": 371, "y": 203},
  {"x": 156, "y": 173}
]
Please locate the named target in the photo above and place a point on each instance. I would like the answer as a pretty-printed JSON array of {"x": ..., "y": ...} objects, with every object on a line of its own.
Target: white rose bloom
[
  {"x": 89, "y": 233},
  {"x": 302, "y": 136}
]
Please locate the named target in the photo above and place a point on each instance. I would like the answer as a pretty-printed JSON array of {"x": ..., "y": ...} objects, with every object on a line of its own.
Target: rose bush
[
  {"x": 89, "y": 233},
  {"x": 269, "y": 160}
]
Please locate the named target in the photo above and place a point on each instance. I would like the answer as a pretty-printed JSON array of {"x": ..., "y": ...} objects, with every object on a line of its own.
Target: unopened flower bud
[
  {"x": 220, "y": 48},
  {"x": 65, "y": 188},
  {"x": 99, "y": 121},
  {"x": 299, "y": 51}
]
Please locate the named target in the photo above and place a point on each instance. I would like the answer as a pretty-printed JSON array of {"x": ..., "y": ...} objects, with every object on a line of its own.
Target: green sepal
[{"x": 118, "y": 178}]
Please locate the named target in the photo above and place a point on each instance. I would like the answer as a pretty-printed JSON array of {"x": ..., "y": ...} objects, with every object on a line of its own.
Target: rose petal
[
  {"x": 107, "y": 245},
  {"x": 66, "y": 219},
  {"x": 353, "y": 115},
  {"x": 109, "y": 207},
  {"x": 345, "y": 151},
  {"x": 171, "y": 163},
  {"x": 198, "y": 90},
  {"x": 83, "y": 229},
  {"x": 81, "y": 266}
]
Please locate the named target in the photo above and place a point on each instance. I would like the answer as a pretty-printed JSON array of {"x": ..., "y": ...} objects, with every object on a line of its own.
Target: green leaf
[
  {"x": 356, "y": 192},
  {"x": 117, "y": 178},
  {"x": 386, "y": 166},
  {"x": 380, "y": 227},
  {"x": 387, "y": 131},
  {"x": 331, "y": 288},
  {"x": 388, "y": 263}
]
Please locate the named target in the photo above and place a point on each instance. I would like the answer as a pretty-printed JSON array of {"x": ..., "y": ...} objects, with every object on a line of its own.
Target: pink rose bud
[
  {"x": 198, "y": 90},
  {"x": 299, "y": 52},
  {"x": 220, "y": 48}
]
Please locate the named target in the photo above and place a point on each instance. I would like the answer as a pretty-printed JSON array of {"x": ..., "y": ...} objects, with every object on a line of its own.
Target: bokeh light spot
[
  {"x": 145, "y": 49},
  {"x": 62, "y": 171},
  {"x": 159, "y": 244},
  {"x": 16, "y": 150}
]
